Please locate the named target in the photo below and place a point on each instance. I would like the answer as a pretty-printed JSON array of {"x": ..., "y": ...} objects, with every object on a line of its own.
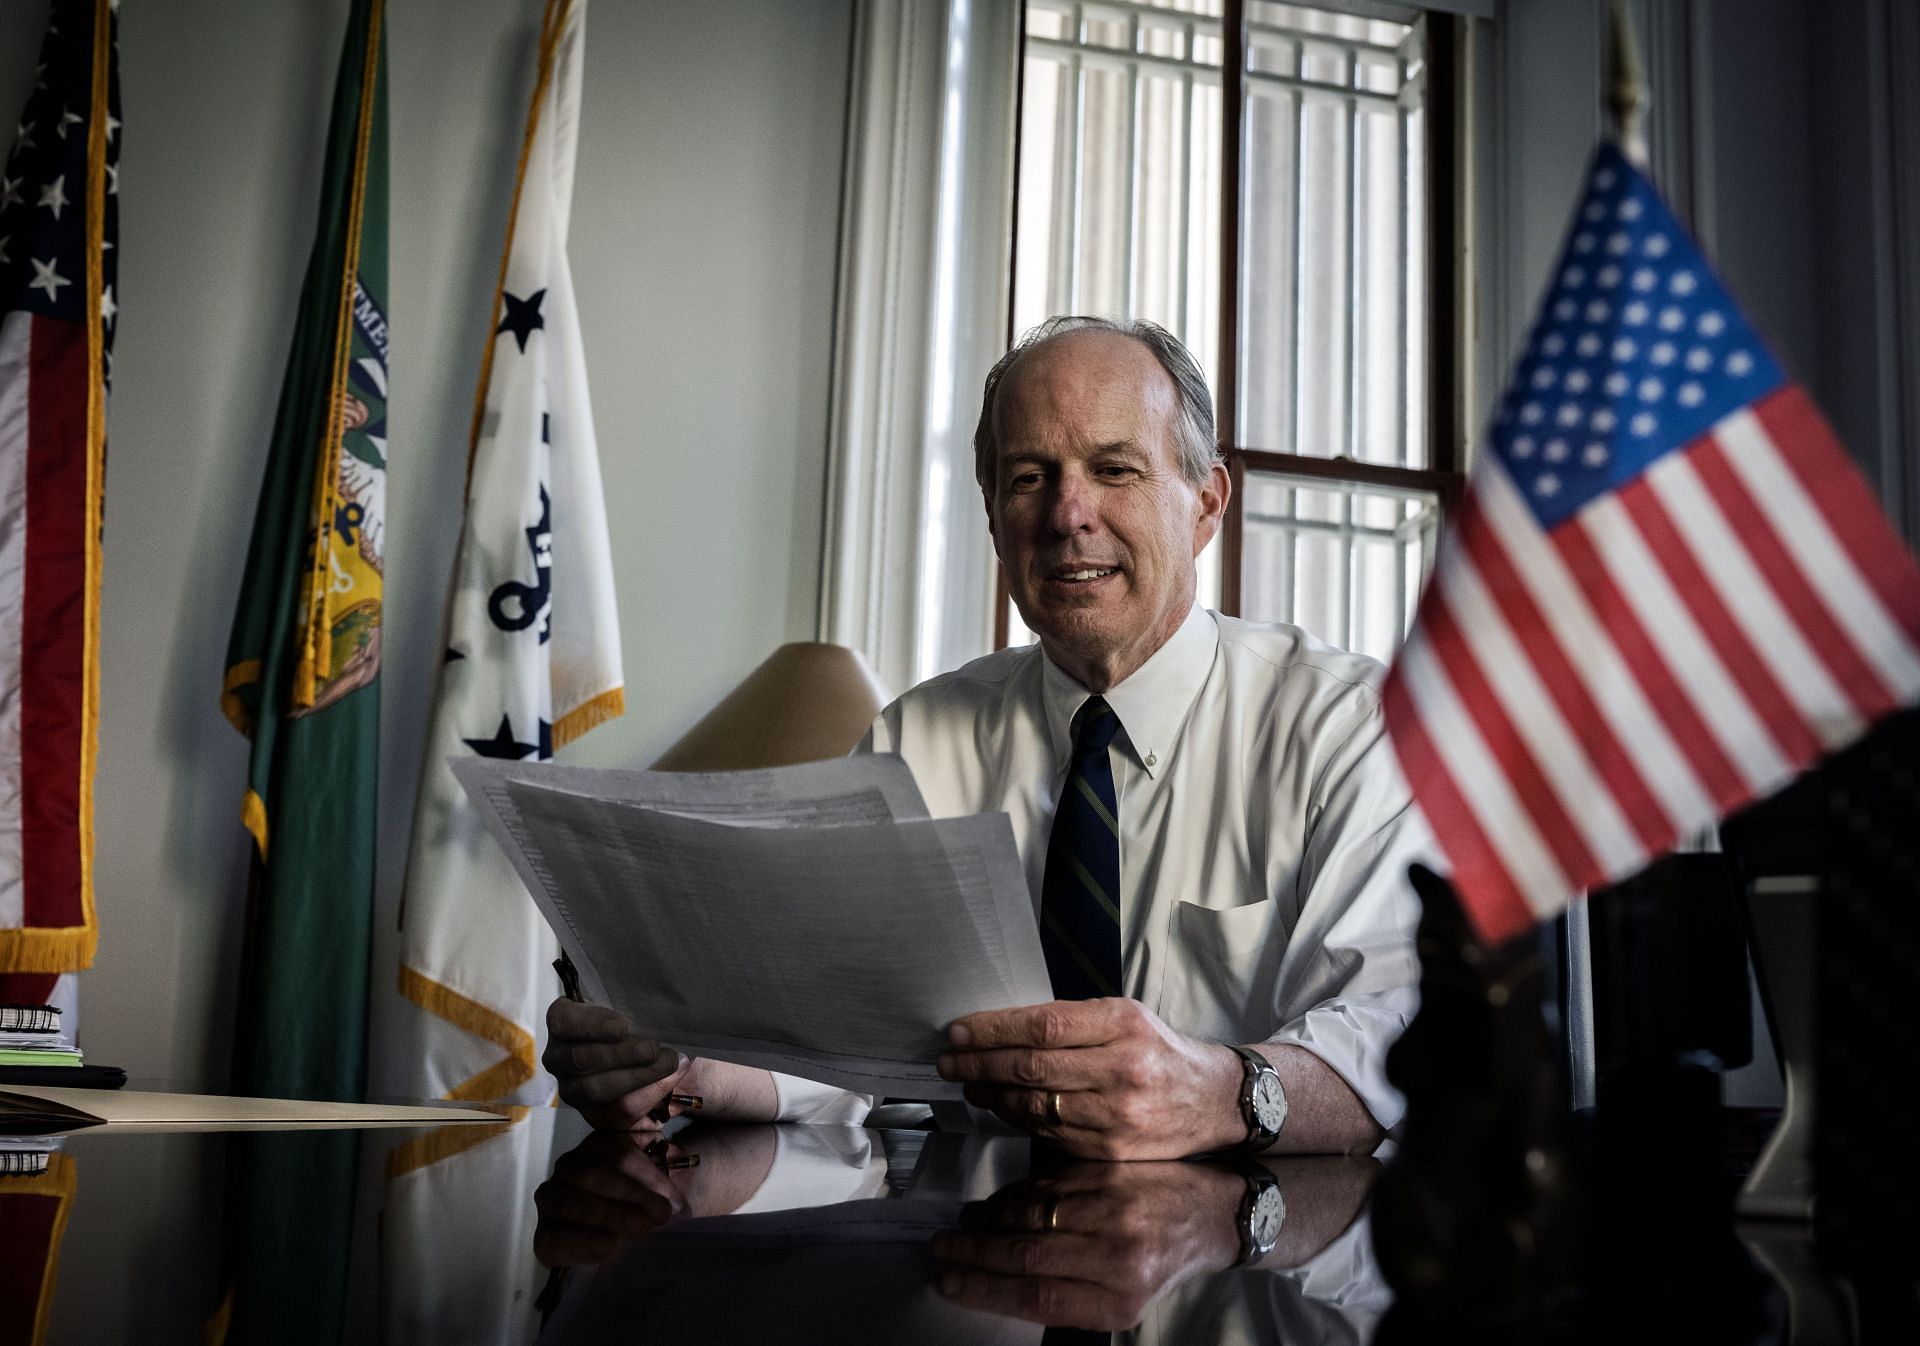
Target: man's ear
[{"x": 1214, "y": 494}]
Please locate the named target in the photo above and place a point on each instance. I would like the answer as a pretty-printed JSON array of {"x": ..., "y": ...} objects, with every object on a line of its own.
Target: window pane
[
  {"x": 1380, "y": 408},
  {"x": 1042, "y": 22},
  {"x": 1106, "y": 181},
  {"x": 1160, "y": 39},
  {"x": 1344, "y": 562},
  {"x": 1332, "y": 254},
  {"x": 1040, "y": 228},
  {"x": 1165, "y": 204},
  {"x": 1119, "y": 211},
  {"x": 1106, "y": 29}
]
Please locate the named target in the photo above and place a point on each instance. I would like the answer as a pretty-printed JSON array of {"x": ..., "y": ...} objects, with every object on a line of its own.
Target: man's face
[{"x": 1095, "y": 526}]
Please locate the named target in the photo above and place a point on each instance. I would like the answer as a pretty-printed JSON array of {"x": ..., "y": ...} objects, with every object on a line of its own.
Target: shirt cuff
[
  {"x": 1352, "y": 1036},
  {"x": 819, "y": 1166},
  {"x": 810, "y": 1101}
]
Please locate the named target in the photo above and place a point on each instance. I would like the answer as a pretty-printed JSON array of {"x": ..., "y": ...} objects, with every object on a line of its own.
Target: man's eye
[{"x": 1025, "y": 481}]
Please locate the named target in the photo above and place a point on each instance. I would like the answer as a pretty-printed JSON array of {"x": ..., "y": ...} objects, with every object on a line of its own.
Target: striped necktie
[{"x": 1080, "y": 895}]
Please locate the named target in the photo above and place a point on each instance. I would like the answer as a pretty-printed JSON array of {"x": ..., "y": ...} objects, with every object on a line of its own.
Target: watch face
[
  {"x": 1269, "y": 1104},
  {"x": 1269, "y": 1213}
]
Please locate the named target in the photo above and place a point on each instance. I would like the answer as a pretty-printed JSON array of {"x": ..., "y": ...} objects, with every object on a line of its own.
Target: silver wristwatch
[
  {"x": 1263, "y": 1103},
  {"x": 1263, "y": 1210}
]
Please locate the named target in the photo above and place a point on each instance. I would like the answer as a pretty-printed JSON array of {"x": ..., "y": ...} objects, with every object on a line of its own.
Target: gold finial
[{"x": 1626, "y": 86}]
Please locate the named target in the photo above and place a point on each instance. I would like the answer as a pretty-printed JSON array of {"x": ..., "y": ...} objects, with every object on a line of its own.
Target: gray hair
[{"x": 1195, "y": 442}]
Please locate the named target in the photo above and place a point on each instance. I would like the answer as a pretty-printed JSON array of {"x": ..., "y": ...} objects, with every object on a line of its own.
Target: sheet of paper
[
  {"x": 870, "y": 787},
  {"x": 132, "y": 1107},
  {"x": 867, "y": 788},
  {"x": 837, "y": 953}
]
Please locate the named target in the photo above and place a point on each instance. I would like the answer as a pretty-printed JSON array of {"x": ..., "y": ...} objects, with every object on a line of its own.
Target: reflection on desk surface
[
  {"x": 769, "y": 1233},
  {"x": 542, "y": 1231},
  {"x": 813, "y": 1234}
]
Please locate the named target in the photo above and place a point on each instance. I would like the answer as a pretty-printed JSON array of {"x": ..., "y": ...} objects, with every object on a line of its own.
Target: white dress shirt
[{"x": 1265, "y": 831}]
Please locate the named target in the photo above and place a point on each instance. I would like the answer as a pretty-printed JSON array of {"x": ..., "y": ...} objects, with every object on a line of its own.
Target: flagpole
[{"x": 1626, "y": 93}]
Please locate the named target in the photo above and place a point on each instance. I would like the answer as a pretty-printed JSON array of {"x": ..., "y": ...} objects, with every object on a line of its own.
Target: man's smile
[{"x": 1080, "y": 577}]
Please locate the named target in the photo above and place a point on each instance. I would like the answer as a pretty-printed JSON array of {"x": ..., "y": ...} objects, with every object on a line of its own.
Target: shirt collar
[{"x": 1151, "y": 704}]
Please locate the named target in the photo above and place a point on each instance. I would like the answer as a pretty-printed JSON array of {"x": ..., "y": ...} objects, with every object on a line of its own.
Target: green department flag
[
  {"x": 302, "y": 682},
  {"x": 303, "y": 663}
]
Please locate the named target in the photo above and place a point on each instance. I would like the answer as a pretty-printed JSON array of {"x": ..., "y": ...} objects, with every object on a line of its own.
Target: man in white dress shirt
[{"x": 1265, "y": 925}]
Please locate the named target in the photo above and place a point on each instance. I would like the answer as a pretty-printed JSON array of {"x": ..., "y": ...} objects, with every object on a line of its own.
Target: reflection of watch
[
  {"x": 1263, "y": 1104},
  {"x": 1262, "y": 1212}
]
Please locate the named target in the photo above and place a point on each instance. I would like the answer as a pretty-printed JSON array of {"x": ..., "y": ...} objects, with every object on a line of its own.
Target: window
[{"x": 1298, "y": 265}]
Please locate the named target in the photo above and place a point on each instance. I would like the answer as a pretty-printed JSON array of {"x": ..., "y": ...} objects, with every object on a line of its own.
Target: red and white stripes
[
  {"x": 44, "y": 614},
  {"x": 1572, "y": 703}
]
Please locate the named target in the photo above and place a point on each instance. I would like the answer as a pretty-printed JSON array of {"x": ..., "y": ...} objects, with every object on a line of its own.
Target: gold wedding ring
[
  {"x": 1053, "y": 1106},
  {"x": 1053, "y": 1211}
]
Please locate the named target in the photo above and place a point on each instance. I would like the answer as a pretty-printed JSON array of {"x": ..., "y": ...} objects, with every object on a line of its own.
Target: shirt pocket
[{"x": 1221, "y": 971}]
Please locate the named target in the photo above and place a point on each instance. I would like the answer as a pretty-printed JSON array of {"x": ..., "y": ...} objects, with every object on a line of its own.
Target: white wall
[{"x": 704, "y": 239}]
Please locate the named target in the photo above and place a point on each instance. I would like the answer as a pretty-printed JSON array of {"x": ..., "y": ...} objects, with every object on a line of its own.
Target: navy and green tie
[{"x": 1080, "y": 895}]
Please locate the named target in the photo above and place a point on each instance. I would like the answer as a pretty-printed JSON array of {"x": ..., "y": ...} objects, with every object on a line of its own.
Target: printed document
[{"x": 811, "y": 920}]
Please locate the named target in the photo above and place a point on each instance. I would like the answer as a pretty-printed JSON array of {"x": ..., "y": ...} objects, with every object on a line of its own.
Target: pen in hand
[
  {"x": 570, "y": 988},
  {"x": 569, "y": 978}
]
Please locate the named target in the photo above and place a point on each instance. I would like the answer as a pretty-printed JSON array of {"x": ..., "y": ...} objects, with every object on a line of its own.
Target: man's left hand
[{"x": 1104, "y": 1079}]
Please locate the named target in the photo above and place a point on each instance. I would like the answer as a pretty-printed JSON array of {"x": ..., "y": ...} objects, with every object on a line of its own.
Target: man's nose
[{"x": 1072, "y": 508}]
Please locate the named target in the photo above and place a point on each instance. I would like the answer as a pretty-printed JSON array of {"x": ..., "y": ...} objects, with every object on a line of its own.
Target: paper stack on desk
[
  {"x": 33, "y": 1035},
  {"x": 810, "y": 919}
]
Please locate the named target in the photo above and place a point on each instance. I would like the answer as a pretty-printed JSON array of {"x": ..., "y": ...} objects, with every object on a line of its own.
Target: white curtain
[{"x": 907, "y": 569}]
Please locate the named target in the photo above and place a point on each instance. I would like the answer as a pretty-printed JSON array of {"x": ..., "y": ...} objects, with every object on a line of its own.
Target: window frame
[{"x": 1445, "y": 477}]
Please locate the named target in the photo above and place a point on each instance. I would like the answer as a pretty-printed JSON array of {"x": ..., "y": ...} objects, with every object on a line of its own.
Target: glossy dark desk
[
  {"x": 775, "y": 1234},
  {"x": 546, "y": 1232}
]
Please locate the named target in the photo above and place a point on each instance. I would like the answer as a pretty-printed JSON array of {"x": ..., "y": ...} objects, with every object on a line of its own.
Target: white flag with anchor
[{"x": 532, "y": 657}]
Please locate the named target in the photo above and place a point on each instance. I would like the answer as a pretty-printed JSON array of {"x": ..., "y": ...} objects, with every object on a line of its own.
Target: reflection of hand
[
  {"x": 615, "y": 1187},
  {"x": 1104, "y": 1079},
  {"x": 1093, "y": 1246},
  {"x": 608, "y": 1190}
]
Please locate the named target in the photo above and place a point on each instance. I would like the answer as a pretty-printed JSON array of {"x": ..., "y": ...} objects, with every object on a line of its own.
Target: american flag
[
  {"x": 58, "y": 220},
  {"x": 1665, "y": 592}
]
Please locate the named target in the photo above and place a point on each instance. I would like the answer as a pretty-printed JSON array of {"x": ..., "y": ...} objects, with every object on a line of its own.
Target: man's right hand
[{"x": 617, "y": 1078}]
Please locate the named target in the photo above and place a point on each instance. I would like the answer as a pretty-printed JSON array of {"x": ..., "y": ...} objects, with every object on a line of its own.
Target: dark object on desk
[
  {"x": 65, "y": 1077},
  {"x": 1868, "y": 1212},
  {"x": 1498, "y": 1219},
  {"x": 1669, "y": 959},
  {"x": 1473, "y": 1217},
  {"x": 1845, "y": 840},
  {"x": 1671, "y": 1011}
]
